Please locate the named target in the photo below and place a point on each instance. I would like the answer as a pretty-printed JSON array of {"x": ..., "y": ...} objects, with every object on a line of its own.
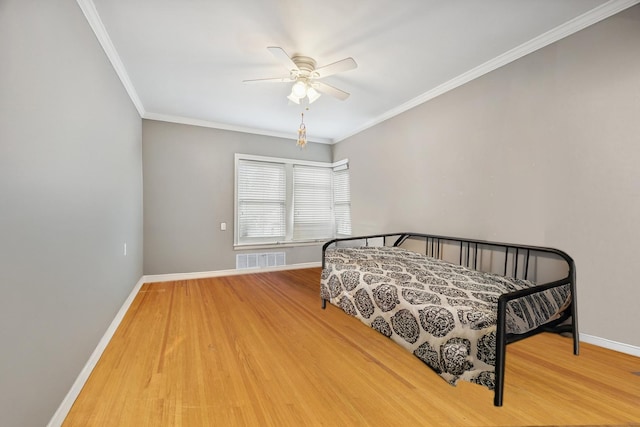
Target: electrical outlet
[
  {"x": 125, "y": 249},
  {"x": 223, "y": 226}
]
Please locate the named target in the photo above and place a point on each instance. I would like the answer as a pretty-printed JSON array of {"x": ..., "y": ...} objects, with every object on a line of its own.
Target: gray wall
[
  {"x": 189, "y": 191},
  {"x": 544, "y": 151},
  {"x": 70, "y": 196}
]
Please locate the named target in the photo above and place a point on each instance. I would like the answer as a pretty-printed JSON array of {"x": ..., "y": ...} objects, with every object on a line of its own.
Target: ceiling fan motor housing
[{"x": 305, "y": 64}]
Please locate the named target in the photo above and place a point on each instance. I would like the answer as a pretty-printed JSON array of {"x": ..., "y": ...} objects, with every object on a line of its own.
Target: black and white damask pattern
[
  {"x": 436, "y": 320},
  {"x": 386, "y": 297},
  {"x": 405, "y": 325},
  {"x": 381, "y": 325},
  {"x": 363, "y": 303},
  {"x": 443, "y": 313}
]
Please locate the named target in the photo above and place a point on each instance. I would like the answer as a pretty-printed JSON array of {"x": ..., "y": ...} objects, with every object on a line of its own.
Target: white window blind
[
  {"x": 342, "y": 202},
  {"x": 261, "y": 192},
  {"x": 290, "y": 201},
  {"x": 312, "y": 215}
]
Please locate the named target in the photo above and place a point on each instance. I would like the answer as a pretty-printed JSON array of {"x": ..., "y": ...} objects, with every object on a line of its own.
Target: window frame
[{"x": 288, "y": 242}]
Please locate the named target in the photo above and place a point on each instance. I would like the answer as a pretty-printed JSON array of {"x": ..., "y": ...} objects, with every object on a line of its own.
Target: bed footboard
[{"x": 513, "y": 260}]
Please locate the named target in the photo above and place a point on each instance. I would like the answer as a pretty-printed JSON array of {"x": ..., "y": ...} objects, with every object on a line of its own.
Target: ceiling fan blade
[
  {"x": 330, "y": 90},
  {"x": 274, "y": 79},
  {"x": 337, "y": 67},
  {"x": 282, "y": 56}
]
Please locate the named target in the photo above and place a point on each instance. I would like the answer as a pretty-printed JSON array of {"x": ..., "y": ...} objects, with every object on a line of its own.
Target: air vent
[{"x": 259, "y": 260}]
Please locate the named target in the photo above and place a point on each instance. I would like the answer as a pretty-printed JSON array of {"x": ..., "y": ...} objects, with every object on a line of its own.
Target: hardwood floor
[{"x": 258, "y": 350}]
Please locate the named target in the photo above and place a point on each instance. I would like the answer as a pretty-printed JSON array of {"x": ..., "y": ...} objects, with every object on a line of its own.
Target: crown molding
[
  {"x": 214, "y": 125},
  {"x": 595, "y": 15},
  {"x": 91, "y": 13}
]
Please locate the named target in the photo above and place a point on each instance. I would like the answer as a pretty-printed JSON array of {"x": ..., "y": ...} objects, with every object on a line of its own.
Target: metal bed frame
[{"x": 515, "y": 255}]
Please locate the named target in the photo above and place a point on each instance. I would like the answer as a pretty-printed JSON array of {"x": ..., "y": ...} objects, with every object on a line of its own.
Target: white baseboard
[
  {"x": 218, "y": 273},
  {"x": 611, "y": 345},
  {"x": 64, "y": 408}
]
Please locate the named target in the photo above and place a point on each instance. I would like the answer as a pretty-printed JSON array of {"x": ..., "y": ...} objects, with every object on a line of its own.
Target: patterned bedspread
[{"x": 445, "y": 314}]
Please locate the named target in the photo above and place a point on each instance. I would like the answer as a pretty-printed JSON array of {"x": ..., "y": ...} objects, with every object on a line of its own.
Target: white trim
[
  {"x": 219, "y": 273},
  {"x": 595, "y": 15},
  {"x": 64, "y": 408},
  {"x": 611, "y": 345},
  {"x": 254, "y": 246},
  {"x": 591, "y": 17},
  {"x": 91, "y": 13},
  {"x": 240, "y": 156},
  {"x": 215, "y": 125}
]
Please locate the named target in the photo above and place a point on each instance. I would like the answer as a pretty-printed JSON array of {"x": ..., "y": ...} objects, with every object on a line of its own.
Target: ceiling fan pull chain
[{"x": 302, "y": 134}]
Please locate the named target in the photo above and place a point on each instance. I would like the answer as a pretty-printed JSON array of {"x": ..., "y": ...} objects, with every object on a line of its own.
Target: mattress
[{"x": 445, "y": 314}]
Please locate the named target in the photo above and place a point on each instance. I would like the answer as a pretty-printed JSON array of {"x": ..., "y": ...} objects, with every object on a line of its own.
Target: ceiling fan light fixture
[
  {"x": 312, "y": 94},
  {"x": 303, "y": 73},
  {"x": 293, "y": 98},
  {"x": 299, "y": 89}
]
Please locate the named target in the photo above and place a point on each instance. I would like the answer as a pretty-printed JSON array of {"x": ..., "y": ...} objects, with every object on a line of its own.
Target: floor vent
[{"x": 259, "y": 260}]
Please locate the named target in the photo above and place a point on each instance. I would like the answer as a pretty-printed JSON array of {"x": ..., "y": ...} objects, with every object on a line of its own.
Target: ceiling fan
[{"x": 303, "y": 71}]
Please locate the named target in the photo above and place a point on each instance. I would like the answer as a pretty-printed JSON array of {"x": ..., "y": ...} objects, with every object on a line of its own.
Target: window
[
  {"x": 342, "y": 200},
  {"x": 290, "y": 201},
  {"x": 261, "y": 188},
  {"x": 312, "y": 200}
]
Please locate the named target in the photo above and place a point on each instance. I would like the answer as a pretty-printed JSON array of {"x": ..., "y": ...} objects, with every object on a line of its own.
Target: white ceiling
[{"x": 184, "y": 60}]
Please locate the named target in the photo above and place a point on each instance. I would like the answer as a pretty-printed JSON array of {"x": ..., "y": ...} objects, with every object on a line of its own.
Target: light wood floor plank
[{"x": 258, "y": 350}]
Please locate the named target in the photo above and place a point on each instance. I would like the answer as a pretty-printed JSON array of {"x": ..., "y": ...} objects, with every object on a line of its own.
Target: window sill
[{"x": 250, "y": 246}]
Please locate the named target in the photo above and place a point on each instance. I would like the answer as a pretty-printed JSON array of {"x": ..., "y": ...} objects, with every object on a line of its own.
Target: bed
[{"x": 454, "y": 303}]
